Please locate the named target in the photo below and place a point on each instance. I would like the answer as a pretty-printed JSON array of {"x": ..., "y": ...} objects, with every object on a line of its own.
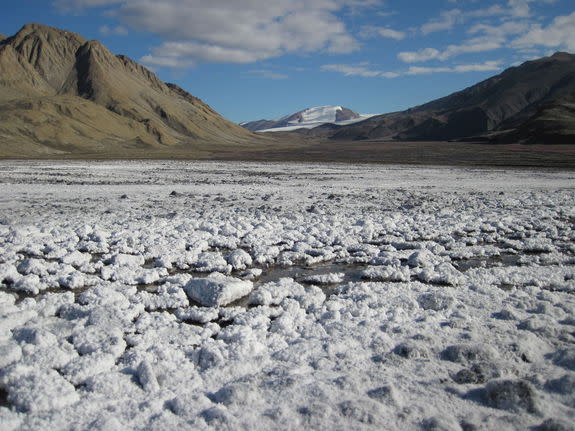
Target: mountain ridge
[
  {"x": 490, "y": 110},
  {"x": 63, "y": 94}
]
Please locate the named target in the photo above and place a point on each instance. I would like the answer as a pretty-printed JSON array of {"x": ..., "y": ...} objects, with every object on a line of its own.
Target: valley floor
[
  {"x": 440, "y": 153},
  {"x": 226, "y": 295}
]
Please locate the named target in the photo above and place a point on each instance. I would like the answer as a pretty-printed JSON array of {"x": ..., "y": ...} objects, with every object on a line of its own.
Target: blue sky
[{"x": 254, "y": 59}]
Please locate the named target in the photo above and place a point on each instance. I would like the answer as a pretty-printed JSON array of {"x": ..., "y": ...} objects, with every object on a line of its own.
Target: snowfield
[{"x": 214, "y": 295}]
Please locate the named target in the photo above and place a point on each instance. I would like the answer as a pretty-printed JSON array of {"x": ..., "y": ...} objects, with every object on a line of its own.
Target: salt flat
[{"x": 216, "y": 295}]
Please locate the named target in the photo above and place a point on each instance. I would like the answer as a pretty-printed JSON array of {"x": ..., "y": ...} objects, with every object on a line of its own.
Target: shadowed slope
[{"x": 503, "y": 102}]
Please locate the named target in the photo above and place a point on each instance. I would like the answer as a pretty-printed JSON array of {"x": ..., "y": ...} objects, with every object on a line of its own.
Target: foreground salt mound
[
  {"x": 217, "y": 289},
  {"x": 364, "y": 304}
]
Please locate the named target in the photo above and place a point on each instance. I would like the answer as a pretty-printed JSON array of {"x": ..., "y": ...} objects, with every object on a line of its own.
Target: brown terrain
[{"x": 65, "y": 97}]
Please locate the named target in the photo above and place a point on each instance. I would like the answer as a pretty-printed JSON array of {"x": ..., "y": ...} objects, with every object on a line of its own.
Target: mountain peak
[
  {"x": 50, "y": 51},
  {"x": 37, "y": 29},
  {"x": 562, "y": 56},
  {"x": 87, "y": 99},
  {"x": 308, "y": 118}
]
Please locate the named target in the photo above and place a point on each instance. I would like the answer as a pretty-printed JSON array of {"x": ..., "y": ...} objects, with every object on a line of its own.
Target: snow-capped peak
[
  {"x": 318, "y": 114},
  {"x": 308, "y": 118}
]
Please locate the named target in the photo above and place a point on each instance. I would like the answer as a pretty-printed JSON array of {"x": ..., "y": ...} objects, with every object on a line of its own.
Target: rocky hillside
[
  {"x": 529, "y": 103},
  {"x": 61, "y": 94}
]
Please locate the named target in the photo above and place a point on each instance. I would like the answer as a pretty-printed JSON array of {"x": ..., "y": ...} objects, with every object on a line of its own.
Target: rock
[
  {"x": 444, "y": 273},
  {"x": 478, "y": 373},
  {"x": 563, "y": 385},
  {"x": 37, "y": 390},
  {"x": 435, "y": 301},
  {"x": 422, "y": 258},
  {"x": 356, "y": 411},
  {"x": 9, "y": 353},
  {"x": 236, "y": 393},
  {"x": 437, "y": 423},
  {"x": 566, "y": 358},
  {"x": 466, "y": 353},
  {"x": 512, "y": 395},
  {"x": 385, "y": 394},
  {"x": 239, "y": 259},
  {"x": 217, "y": 289},
  {"x": 147, "y": 377},
  {"x": 218, "y": 418},
  {"x": 410, "y": 350},
  {"x": 505, "y": 314},
  {"x": 555, "y": 425}
]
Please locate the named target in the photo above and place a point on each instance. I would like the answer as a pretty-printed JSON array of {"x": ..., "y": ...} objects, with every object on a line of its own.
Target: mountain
[
  {"x": 528, "y": 103},
  {"x": 61, "y": 94},
  {"x": 306, "y": 119}
]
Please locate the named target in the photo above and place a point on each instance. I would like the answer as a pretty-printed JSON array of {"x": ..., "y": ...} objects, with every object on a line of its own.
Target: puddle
[
  {"x": 352, "y": 272},
  {"x": 464, "y": 265}
]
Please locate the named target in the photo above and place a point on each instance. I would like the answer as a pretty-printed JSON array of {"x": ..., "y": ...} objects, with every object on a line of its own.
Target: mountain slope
[
  {"x": 306, "y": 118},
  {"x": 554, "y": 122},
  {"x": 501, "y": 103},
  {"x": 62, "y": 94}
]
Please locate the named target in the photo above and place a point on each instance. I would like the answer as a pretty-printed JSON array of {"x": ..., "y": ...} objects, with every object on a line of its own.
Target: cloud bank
[{"x": 235, "y": 31}]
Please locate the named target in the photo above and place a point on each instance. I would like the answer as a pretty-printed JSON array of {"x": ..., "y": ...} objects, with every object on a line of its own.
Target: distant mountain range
[
  {"x": 64, "y": 96},
  {"x": 307, "y": 119},
  {"x": 61, "y": 94},
  {"x": 530, "y": 103}
]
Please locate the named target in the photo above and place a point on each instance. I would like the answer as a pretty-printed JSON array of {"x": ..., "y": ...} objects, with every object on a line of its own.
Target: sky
[{"x": 262, "y": 59}]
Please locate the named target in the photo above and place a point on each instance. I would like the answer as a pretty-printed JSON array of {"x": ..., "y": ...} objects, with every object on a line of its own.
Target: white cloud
[
  {"x": 559, "y": 34},
  {"x": 494, "y": 10},
  {"x": 236, "y": 31},
  {"x": 150, "y": 61},
  {"x": 118, "y": 30},
  {"x": 269, "y": 74},
  {"x": 462, "y": 68},
  {"x": 519, "y": 8},
  {"x": 82, "y": 4},
  {"x": 366, "y": 72},
  {"x": 419, "y": 70},
  {"x": 424, "y": 54},
  {"x": 352, "y": 70},
  {"x": 392, "y": 34},
  {"x": 374, "y": 31},
  {"x": 446, "y": 21},
  {"x": 506, "y": 29},
  {"x": 192, "y": 51},
  {"x": 513, "y": 20},
  {"x": 478, "y": 67},
  {"x": 479, "y": 44}
]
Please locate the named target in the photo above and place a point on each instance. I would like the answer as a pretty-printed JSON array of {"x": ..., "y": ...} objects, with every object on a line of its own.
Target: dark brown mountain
[
  {"x": 531, "y": 102},
  {"x": 61, "y": 94}
]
